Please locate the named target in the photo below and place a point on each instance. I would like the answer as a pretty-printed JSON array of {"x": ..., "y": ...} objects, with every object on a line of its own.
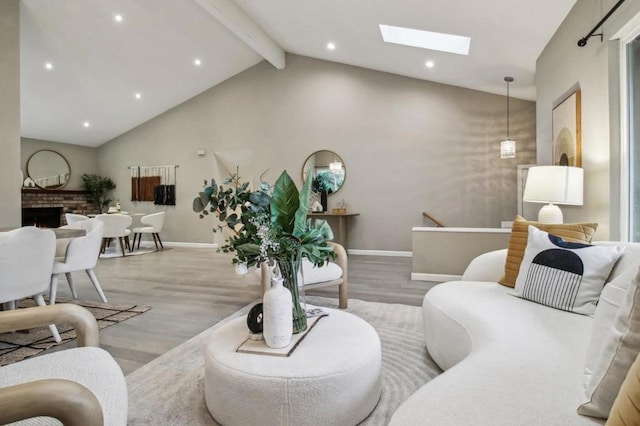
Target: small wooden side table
[{"x": 342, "y": 236}]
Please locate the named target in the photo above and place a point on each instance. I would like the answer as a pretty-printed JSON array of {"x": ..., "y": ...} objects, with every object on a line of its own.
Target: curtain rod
[
  {"x": 162, "y": 165},
  {"x": 583, "y": 41}
]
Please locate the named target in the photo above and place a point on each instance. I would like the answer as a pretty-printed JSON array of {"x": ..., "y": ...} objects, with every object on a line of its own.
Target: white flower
[{"x": 241, "y": 268}]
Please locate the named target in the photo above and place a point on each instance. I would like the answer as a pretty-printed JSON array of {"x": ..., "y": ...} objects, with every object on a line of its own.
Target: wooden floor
[{"x": 191, "y": 289}]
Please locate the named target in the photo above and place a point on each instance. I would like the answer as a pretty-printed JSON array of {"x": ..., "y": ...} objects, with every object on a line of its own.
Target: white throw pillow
[
  {"x": 619, "y": 349},
  {"x": 564, "y": 275},
  {"x": 611, "y": 298}
]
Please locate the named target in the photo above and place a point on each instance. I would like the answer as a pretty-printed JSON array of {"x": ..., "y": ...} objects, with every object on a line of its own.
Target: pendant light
[{"x": 508, "y": 146}]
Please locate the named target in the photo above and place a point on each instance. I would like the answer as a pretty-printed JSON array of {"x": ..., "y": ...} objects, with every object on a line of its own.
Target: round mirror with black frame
[{"x": 48, "y": 169}]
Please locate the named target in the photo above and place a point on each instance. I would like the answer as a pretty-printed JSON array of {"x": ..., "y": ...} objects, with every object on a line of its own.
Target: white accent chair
[
  {"x": 115, "y": 226},
  {"x": 154, "y": 222},
  {"x": 78, "y": 386},
  {"x": 331, "y": 274},
  {"x": 81, "y": 255},
  {"x": 26, "y": 262},
  {"x": 73, "y": 218}
]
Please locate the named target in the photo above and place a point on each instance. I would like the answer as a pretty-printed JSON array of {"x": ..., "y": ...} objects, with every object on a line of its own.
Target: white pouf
[{"x": 332, "y": 378}]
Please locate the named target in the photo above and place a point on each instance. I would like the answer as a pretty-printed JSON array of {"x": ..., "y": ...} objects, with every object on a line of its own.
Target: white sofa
[{"x": 507, "y": 361}]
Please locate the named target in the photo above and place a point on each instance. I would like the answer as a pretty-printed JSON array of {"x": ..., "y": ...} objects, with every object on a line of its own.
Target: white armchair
[
  {"x": 26, "y": 262},
  {"x": 331, "y": 274},
  {"x": 79, "y": 386},
  {"x": 72, "y": 218},
  {"x": 154, "y": 223},
  {"x": 81, "y": 254},
  {"x": 115, "y": 226}
]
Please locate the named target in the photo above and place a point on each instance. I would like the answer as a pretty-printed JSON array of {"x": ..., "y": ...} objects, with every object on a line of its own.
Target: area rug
[
  {"x": 170, "y": 391},
  {"x": 20, "y": 345},
  {"x": 114, "y": 251}
]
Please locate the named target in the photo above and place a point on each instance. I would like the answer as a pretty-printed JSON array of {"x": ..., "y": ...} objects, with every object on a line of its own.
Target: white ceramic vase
[{"x": 277, "y": 316}]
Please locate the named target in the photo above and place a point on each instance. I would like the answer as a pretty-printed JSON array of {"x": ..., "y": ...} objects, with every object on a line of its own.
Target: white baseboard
[
  {"x": 179, "y": 244},
  {"x": 419, "y": 276},
  {"x": 380, "y": 253}
]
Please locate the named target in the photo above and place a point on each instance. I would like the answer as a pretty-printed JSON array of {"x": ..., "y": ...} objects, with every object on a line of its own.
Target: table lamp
[{"x": 554, "y": 185}]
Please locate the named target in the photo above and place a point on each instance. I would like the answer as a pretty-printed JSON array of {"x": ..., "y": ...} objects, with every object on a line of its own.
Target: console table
[{"x": 342, "y": 236}]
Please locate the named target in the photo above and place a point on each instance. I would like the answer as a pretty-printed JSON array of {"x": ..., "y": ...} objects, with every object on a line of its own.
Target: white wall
[
  {"x": 408, "y": 146},
  {"x": 562, "y": 68},
  {"x": 10, "y": 215}
]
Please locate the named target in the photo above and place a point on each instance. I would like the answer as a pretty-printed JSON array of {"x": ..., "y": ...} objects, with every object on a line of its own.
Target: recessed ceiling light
[
  {"x": 48, "y": 66},
  {"x": 138, "y": 95},
  {"x": 429, "y": 64},
  {"x": 426, "y": 39},
  {"x": 118, "y": 18},
  {"x": 197, "y": 62},
  {"x": 331, "y": 46},
  {"x": 86, "y": 124}
]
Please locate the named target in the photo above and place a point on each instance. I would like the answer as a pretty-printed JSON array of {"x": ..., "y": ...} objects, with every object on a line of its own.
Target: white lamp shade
[{"x": 554, "y": 184}]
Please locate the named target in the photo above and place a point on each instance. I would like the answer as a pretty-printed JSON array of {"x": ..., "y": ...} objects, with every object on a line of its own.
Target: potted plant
[
  {"x": 323, "y": 184},
  {"x": 268, "y": 226},
  {"x": 97, "y": 188}
]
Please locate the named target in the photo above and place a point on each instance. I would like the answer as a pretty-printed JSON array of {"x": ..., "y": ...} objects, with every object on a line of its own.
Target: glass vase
[{"x": 291, "y": 273}]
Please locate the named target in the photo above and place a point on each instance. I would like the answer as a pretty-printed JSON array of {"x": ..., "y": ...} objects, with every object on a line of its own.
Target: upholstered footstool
[{"x": 332, "y": 377}]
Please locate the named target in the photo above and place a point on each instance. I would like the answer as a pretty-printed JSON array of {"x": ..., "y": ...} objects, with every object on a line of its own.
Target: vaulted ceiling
[{"x": 87, "y": 77}]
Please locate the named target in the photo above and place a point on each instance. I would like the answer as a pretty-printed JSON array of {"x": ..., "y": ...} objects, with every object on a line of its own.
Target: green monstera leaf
[
  {"x": 300, "y": 225},
  {"x": 284, "y": 203}
]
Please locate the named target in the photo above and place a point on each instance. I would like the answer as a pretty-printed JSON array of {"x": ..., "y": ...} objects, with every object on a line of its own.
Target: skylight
[{"x": 426, "y": 39}]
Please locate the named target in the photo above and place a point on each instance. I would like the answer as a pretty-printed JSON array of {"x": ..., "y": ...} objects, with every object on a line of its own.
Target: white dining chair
[
  {"x": 26, "y": 262},
  {"x": 154, "y": 223},
  {"x": 115, "y": 226},
  {"x": 81, "y": 254},
  {"x": 73, "y": 218}
]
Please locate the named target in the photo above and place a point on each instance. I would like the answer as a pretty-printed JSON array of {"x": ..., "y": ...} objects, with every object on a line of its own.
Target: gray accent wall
[
  {"x": 408, "y": 145},
  {"x": 81, "y": 159},
  {"x": 10, "y": 178},
  {"x": 563, "y": 67}
]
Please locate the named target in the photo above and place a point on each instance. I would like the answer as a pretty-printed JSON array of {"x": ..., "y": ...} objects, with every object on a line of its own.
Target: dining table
[{"x": 61, "y": 233}]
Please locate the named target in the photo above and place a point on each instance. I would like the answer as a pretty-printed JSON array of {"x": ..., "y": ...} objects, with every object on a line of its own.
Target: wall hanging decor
[
  {"x": 154, "y": 183},
  {"x": 567, "y": 143}
]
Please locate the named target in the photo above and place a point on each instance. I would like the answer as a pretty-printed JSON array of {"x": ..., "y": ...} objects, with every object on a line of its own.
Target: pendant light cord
[
  {"x": 508, "y": 80},
  {"x": 508, "y": 111}
]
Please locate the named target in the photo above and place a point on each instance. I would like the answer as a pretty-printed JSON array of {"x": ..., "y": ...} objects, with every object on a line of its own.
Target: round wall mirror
[
  {"x": 48, "y": 169},
  {"x": 327, "y": 169}
]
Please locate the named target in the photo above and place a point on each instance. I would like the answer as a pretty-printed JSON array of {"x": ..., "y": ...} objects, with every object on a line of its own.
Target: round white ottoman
[{"x": 332, "y": 378}]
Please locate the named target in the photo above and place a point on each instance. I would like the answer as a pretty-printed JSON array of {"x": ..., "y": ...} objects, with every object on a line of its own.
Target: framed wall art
[{"x": 567, "y": 144}]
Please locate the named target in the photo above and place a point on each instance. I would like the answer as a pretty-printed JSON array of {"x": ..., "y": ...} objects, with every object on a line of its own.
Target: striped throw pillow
[
  {"x": 564, "y": 275},
  {"x": 576, "y": 232}
]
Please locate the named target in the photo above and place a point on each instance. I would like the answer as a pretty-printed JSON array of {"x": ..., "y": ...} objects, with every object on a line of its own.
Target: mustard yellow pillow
[
  {"x": 573, "y": 232},
  {"x": 626, "y": 407}
]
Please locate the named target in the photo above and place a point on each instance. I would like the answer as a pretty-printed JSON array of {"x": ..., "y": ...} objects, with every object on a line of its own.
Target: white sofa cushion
[
  {"x": 611, "y": 298},
  {"x": 564, "y": 275},
  {"x": 522, "y": 363},
  {"x": 620, "y": 348}
]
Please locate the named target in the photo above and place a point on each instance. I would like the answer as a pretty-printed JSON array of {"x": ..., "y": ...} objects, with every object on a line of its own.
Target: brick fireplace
[
  {"x": 39, "y": 205},
  {"x": 43, "y": 217}
]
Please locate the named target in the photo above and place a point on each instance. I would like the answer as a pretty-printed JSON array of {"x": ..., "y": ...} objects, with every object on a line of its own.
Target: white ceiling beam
[{"x": 246, "y": 29}]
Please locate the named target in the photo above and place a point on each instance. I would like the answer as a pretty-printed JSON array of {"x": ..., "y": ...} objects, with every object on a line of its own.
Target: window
[{"x": 633, "y": 131}]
